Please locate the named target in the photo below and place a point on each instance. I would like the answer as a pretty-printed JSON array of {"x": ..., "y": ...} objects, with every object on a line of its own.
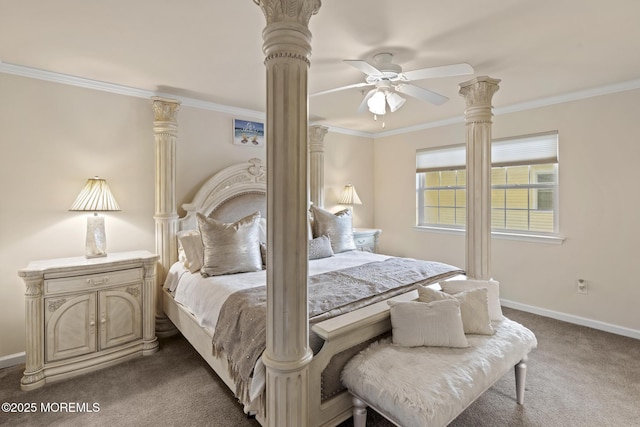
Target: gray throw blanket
[{"x": 241, "y": 329}]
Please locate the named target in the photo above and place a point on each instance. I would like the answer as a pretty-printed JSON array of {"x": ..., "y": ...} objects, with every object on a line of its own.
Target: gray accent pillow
[
  {"x": 338, "y": 227},
  {"x": 320, "y": 247},
  {"x": 230, "y": 247}
]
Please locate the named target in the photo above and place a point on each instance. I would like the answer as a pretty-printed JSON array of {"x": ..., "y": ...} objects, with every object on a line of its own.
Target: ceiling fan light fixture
[
  {"x": 395, "y": 101},
  {"x": 377, "y": 103}
]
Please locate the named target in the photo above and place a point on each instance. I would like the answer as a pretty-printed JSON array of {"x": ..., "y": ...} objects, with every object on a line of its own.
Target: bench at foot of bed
[{"x": 431, "y": 386}]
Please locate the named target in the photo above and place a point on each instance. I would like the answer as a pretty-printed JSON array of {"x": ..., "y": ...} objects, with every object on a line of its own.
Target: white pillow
[
  {"x": 436, "y": 324},
  {"x": 493, "y": 292},
  {"x": 230, "y": 247},
  {"x": 474, "y": 308},
  {"x": 338, "y": 227},
  {"x": 190, "y": 243},
  {"x": 262, "y": 230}
]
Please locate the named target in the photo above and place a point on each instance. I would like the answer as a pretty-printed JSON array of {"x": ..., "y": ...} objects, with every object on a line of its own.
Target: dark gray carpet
[{"x": 577, "y": 377}]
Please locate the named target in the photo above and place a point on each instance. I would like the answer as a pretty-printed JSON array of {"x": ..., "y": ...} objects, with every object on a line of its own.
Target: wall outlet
[{"x": 582, "y": 286}]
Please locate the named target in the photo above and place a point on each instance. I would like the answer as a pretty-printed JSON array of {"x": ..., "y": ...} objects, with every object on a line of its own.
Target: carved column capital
[
  {"x": 165, "y": 109},
  {"x": 34, "y": 284},
  {"x": 298, "y": 11},
  {"x": 316, "y": 137},
  {"x": 477, "y": 94}
]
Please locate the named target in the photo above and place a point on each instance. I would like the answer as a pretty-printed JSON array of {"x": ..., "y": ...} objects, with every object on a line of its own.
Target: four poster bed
[
  {"x": 341, "y": 328},
  {"x": 311, "y": 331}
]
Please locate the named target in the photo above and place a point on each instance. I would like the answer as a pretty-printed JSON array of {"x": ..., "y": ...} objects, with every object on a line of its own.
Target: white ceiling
[{"x": 211, "y": 50}]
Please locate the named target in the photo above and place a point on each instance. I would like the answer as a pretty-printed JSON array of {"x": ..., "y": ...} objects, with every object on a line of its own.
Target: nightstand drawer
[
  {"x": 365, "y": 240},
  {"x": 112, "y": 278}
]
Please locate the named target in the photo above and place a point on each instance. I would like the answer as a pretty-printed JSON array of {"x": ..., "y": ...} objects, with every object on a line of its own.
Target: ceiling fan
[{"x": 389, "y": 79}]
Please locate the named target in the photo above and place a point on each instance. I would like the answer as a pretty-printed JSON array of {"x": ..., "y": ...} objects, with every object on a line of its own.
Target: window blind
[{"x": 525, "y": 150}]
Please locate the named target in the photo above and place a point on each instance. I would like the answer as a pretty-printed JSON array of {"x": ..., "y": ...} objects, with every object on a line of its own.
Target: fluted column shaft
[
  {"x": 287, "y": 49},
  {"x": 34, "y": 314},
  {"x": 477, "y": 94},
  {"x": 316, "y": 162},
  {"x": 165, "y": 130}
]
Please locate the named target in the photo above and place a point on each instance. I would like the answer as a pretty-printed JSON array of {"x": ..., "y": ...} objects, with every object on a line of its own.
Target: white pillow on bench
[
  {"x": 493, "y": 292},
  {"x": 474, "y": 307},
  {"x": 436, "y": 324}
]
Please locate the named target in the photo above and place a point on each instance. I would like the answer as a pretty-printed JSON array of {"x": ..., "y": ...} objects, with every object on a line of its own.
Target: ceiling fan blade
[
  {"x": 363, "y": 105},
  {"x": 364, "y": 66},
  {"x": 356, "y": 85},
  {"x": 443, "y": 71},
  {"x": 422, "y": 94}
]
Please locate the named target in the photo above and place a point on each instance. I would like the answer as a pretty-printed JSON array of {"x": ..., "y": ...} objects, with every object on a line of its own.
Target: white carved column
[
  {"x": 165, "y": 129},
  {"x": 477, "y": 94},
  {"x": 34, "y": 314},
  {"x": 316, "y": 163},
  {"x": 287, "y": 47},
  {"x": 149, "y": 300}
]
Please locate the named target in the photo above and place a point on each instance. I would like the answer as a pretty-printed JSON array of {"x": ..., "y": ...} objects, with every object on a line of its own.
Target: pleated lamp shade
[
  {"x": 94, "y": 197},
  {"x": 349, "y": 196}
]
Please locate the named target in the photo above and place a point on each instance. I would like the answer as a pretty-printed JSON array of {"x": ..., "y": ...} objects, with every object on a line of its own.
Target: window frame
[{"x": 453, "y": 163}]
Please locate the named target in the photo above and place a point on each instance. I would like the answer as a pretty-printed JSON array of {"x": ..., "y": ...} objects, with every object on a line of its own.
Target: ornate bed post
[
  {"x": 316, "y": 164},
  {"x": 165, "y": 130},
  {"x": 477, "y": 94},
  {"x": 287, "y": 47}
]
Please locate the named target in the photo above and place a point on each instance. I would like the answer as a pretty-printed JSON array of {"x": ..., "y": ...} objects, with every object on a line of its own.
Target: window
[{"x": 524, "y": 186}]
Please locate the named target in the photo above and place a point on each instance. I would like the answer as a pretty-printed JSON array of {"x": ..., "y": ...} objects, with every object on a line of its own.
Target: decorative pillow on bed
[
  {"x": 338, "y": 227},
  {"x": 474, "y": 307},
  {"x": 230, "y": 247},
  {"x": 320, "y": 247},
  {"x": 191, "y": 243},
  {"x": 493, "y": 292},
  {"x": 262, "y": 227},
  {"x": 435, "y": 324}
]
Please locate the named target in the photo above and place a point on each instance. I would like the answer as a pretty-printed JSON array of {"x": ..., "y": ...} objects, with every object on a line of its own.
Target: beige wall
[
  {"x": 55, "y": 136},
  {"x": 349, "y": 160},
  {"x": 599, "y": 203}
]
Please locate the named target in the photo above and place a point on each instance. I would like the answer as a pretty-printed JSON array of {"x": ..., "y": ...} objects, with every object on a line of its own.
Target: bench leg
[
  {"x": 359, "y": 412},
  {"x": 521, "y": 377}
]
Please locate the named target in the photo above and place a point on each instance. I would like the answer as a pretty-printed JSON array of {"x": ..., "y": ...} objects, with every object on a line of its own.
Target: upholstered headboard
[{"x": 229, "y": 195}]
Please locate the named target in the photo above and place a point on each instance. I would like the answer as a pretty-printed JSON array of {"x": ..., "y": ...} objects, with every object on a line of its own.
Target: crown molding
[{"x": 50, "y": 76}]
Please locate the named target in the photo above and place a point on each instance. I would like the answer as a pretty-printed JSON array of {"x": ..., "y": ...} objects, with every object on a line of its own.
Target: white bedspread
[{"x": 204, "y": 296}]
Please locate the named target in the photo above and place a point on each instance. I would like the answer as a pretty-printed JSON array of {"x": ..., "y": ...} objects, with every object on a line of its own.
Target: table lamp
[
  {"x": 95, "y": 197},
  {"x": 349, "y": 197}
]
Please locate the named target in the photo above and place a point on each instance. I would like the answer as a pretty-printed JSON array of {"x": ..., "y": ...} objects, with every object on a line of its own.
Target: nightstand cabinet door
[
  {"x": 70, "y": 324},
  {"x": 366, "y": 239},
  {"x": 120, "y": 315}
]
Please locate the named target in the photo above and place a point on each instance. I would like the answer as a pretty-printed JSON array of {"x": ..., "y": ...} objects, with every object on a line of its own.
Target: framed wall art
[{"x": 247, "y": 133}]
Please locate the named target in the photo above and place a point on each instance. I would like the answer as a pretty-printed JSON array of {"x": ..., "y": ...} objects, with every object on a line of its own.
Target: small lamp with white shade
[
  {"x": 349, "y": 197},
  {"x": 95, "y": 197}
]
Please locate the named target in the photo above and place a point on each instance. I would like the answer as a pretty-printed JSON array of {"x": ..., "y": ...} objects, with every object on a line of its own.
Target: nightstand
[
  {"x": 366, "y": 239},
  {"x": 84, "y": 314}
]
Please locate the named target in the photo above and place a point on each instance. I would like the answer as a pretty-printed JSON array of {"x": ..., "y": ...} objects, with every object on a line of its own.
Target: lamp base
[{"x": 96, "y": 243}]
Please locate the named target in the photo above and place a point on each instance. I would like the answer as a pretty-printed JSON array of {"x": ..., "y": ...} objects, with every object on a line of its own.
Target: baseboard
[
  {"x": 607, "y": 327},
  {"x": 12, "y": 360}
]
